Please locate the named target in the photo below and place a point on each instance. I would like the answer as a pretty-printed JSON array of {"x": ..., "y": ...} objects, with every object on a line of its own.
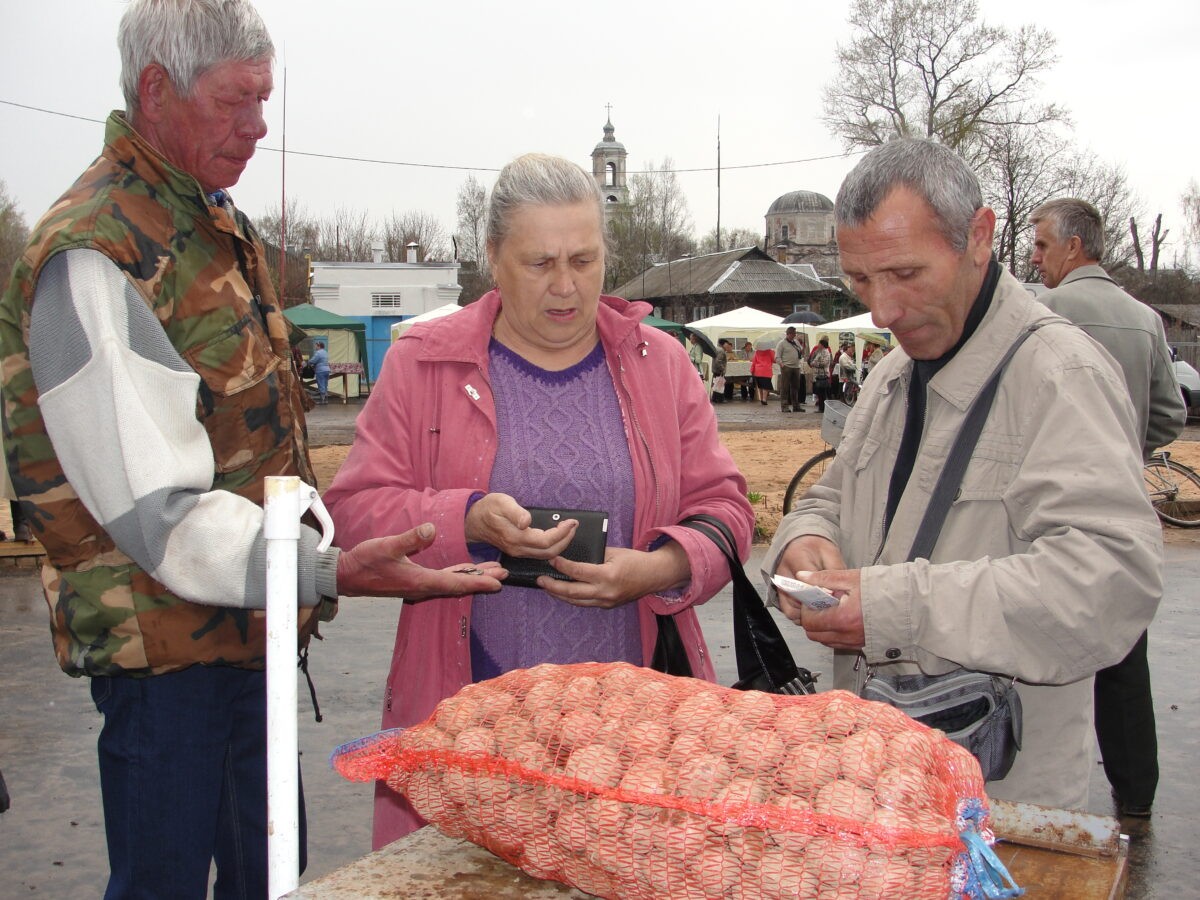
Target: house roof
[
  {"x": 745, "y": 270},
  {"x": 1186, "y": 313}
]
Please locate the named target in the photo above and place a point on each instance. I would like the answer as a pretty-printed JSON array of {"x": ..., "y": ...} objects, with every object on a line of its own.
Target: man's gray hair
[
  {"x": 187, "y": 38},
  {"x": 1072, "y": 217},
  {"x": 537, "y": 179},
  {"x": 930, "y": 170}
]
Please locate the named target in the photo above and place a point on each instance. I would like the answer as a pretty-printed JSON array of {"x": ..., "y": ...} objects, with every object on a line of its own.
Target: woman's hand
[
  {"x": 499, "y": 520},
  {"x": 625, "y": 575}
]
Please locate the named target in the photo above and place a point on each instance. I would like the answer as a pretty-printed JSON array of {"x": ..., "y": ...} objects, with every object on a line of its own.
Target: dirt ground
[{"x": 768, "y": 459}]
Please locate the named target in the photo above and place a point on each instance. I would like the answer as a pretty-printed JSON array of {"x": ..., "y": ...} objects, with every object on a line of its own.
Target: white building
[{"x": 380, "y": 293}]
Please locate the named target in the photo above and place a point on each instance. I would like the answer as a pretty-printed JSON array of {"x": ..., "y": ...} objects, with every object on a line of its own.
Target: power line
[{"x": 420, "y": 165}]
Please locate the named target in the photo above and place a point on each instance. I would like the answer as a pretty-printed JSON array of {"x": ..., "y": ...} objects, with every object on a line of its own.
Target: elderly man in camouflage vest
[{"x": 148, "y": 390}]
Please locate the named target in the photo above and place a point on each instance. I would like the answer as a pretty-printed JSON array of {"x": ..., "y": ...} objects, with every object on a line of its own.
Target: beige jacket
[
  {"x": 1133, "y": 333},
  {"x": 1049, "y": 565}
]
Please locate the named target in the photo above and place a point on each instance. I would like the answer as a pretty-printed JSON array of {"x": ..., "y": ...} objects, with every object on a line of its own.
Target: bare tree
[
  {"x": 1157, "y": 236},
  {"x": 1080, "y": 173},
  {"x": 653, "y": 227},
  {"x": 730, "y": 239},
  {"x": 1190, "y": 203},
  {"x": 421, "y": 228},
  {"x": 302, "y": 229},
  {"x": 347, "y": 236},
  {"x": 14, "y": 233},
  {"x": 931, "y": 68},
  {"x": 1020, "y": 174},
  {"x": 472, "y": 223}
]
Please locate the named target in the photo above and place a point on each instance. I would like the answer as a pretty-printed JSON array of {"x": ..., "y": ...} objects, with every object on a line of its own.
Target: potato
[
  {"x": 571, "y": 828},
  {"x": 582, "y": 692},
  {"x": 577, "y": 728},
  {"x": 754, "y": 708},
  {"x": 884, "y": 878},
  {"x": 846, "y": 799},
  {"x": 532, "y": 755},
  {"x": 718, "y": 872},
  {"x": 686, "y": 746},
  {"x": 726, "y": 734},
  {"x": 595, "y": 764},
  {"x": 783, "y": 874},
  {"x": 862, "y": 757},
  {"x": 761, "y": 752},
  {"x": 796, "y": 722},
  {"x": 835, "y": 862},
  {"x": 742, "y": 790},
  {"x": 509, "y": 731},
  {"x": 807, "y": 768},
  {"x": 910, "y": 748},
  {"x": 646, "y": 740},
  {"x": 456, "y": 713},
  {"x": 648, "y": 776},
  {"x": 703, "y": 777},
  {"x": 901, "y": 788},
  {"x": 654, "y": 701},
  {"x": 475, "y": 740},
  {"x": 841, "y": 714},
  {"x": 697, "y": 713}
]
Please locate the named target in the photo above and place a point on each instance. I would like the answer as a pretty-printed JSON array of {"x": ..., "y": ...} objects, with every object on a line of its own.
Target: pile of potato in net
[{"x": 627, "y": 783}]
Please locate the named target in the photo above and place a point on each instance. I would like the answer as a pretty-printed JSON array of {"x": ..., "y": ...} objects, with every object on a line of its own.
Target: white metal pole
[
  {"x": 281, "y": 527},
  {"x": 286, "y": 498}
]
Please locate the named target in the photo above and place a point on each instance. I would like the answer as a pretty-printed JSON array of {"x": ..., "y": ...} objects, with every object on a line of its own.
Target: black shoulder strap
[{"x": 951, "y": 478}]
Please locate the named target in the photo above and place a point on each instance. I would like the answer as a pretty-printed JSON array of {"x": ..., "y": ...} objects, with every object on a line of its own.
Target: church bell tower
[{"x": 608, "y": 168}]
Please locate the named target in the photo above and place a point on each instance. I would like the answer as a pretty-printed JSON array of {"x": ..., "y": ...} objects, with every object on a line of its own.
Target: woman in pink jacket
[{"x": 540, "y": 393}]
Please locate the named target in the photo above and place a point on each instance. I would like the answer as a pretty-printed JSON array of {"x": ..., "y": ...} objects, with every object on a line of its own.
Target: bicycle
[
  {"x": 812, "y": 470},
  {"x": 1173, "y": 487},
  {"x": 1174, "y": 490}
]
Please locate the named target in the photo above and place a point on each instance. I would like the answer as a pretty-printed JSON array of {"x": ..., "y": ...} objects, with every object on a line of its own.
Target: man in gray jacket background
[
  {"x": 1067, "y": 247},
  {"x": 1049, "y": 562}
]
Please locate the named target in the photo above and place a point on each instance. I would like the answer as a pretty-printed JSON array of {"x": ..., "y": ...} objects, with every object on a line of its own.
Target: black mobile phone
[{"x": 591, "y": 538}]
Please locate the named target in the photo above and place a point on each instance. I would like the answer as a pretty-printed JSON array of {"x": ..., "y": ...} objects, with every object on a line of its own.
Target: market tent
[
  {"x": 860, "y": 326},
  {"x": 665, "y": 325},
  {"x": 398, "y": 328},
  {"x": 345, "y": 339},
  {"x": 744, "y": 322}
]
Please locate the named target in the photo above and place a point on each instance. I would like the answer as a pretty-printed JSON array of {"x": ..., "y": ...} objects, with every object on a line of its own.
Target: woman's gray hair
[
  {"x": 930, "y": 170},
  {"x": 537, "y": 179},
  {"x": 1072, "y": 217},
  {"x": 187, "y": 38}
]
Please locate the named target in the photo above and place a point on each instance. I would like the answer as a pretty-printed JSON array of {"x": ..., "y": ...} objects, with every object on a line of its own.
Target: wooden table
[{"x": 427, "y": 865}]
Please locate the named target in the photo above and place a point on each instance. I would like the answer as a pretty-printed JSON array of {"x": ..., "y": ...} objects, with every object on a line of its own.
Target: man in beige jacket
[
  {"x": 1068, "y": 243},
  {"x": 1049, "y": 564}
]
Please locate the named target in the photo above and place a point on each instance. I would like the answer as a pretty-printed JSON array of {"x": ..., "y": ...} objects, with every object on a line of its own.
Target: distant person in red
[{"x": 762, "y": 367}]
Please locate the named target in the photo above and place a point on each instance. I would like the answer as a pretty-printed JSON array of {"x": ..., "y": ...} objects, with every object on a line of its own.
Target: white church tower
[{"x": 608, "y": 168}]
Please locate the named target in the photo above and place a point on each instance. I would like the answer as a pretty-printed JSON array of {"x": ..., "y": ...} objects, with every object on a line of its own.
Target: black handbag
[
  {"x": 980, "y": 711},
  {"x": 764, "y": 662}
]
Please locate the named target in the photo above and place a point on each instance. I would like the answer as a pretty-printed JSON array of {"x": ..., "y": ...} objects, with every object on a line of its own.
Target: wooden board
[{"x": 427, "y": 865}]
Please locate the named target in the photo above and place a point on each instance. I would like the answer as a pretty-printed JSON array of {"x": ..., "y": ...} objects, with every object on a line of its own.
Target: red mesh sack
[{"x": 628, "y": 783}]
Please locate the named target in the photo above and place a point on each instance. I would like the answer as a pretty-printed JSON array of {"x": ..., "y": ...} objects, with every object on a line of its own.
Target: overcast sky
[{"x": 473, "y": 84}]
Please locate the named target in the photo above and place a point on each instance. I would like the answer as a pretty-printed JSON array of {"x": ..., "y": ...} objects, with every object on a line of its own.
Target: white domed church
[{"x": 800, "y": 230}]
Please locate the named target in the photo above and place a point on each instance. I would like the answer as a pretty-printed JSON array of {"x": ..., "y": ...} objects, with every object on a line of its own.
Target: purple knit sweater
[{"x": 562, "y": 443}]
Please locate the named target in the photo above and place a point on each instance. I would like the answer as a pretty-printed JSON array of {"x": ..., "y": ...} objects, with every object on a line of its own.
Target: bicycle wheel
[
  {"x": 1174, "y": 491},
  {"x": 806, "y": 476}
]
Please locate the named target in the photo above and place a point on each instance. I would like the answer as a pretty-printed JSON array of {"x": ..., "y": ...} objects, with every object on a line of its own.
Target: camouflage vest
[{"x": 203, "y": 274}]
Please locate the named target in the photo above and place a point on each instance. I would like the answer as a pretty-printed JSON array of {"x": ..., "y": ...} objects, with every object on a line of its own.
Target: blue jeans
[
  {"x": 183, "y": 776},
  {"x": 322, "y": 382}
]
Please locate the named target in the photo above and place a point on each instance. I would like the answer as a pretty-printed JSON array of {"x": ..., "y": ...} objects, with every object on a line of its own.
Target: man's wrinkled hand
[
  {"x": 839, "y": 627},
  {"x": 380, "y": 567}
]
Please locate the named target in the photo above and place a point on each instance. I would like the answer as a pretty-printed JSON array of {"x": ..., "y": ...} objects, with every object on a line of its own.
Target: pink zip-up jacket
[{"x": 426, "y": 441}]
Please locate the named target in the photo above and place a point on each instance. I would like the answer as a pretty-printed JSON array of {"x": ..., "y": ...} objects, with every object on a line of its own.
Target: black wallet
[{"x": 591, "y": 537}]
